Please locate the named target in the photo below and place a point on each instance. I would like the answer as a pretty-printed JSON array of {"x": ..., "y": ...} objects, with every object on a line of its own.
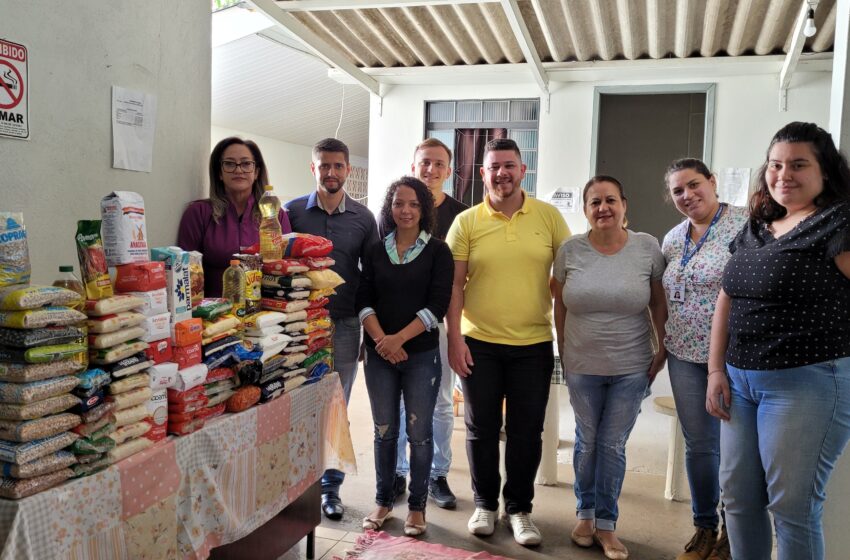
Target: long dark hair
[
  {"x": 428, "y": 214},
  {"x": 833, "y": 167},
  {"x": 218, "y": 196}
]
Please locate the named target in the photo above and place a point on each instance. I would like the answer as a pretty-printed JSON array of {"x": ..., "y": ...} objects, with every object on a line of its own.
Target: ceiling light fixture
[{"x": 809, "y": 30}]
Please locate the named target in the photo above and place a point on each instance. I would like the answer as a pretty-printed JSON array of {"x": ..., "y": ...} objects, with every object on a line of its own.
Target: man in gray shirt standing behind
[{"x": 330, "y": 212}]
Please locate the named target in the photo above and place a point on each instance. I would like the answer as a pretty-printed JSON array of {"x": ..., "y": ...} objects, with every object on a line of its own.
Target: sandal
[
  {"x": 612, "y": 552},
  {"x": 376, "y": 523},
  {"x": 413, "y": 529}
]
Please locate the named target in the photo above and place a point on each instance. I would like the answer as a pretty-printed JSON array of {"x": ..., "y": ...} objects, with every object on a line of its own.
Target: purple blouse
[{"x": 219, "y": 241}]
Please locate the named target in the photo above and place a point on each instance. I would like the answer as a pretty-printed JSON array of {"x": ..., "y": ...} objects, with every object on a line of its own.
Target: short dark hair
[
  {"x": 432, "y": 143},
  {"x": 428, "y": 214},
  {"x": 330, "y": 145},
  {"x": 218, "y": 196},
  {"x": 502, "y": 144},
  {"x": 681, "y": 164},
  {"x": 602, "y": 179},
  {"x": 833, "y": 167}
]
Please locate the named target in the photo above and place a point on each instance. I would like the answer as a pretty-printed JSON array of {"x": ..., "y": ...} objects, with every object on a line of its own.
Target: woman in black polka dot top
[{"x": 779, "y": 364}]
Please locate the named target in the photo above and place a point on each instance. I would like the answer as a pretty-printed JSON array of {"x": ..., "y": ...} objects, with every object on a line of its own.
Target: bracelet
[{"x": 716, "y": 371}]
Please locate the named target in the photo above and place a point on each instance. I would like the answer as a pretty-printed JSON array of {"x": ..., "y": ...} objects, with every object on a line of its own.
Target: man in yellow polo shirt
[{"x": 499, "y": 327}]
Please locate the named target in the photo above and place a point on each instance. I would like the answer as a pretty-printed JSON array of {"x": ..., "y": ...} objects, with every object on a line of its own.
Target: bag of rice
[
  {"x": 114, "y": 322},
  {"x": 274, "y": 281},
  {"x": 130, "y": 431},
  {"x": 19, "y": 298},
  {"x": 124, "y": 232},
  {"x": 93, "y": 266},
  {"x": 106, "y": 340},
  {"x": 284, "y": 305},
  {"x": 131, "y": 398},
  {"x": 130, "y": 415},
  {"x": 116, "y": 353},
  {"x": 306, "y": 245},
  {"x": 14, "y": 253},
  {"x": 129, "y": 383},
  {"x": 112, "y": 305}
]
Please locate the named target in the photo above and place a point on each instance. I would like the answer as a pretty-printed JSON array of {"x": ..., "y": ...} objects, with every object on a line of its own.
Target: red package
[
  {"x": 183, "y": 408},
  {"x": 211, "y": 411},
  {"x": 283, "y": 267},
  {"x": 318, "y": 303},
  {"x": 306, "y": 245},
  {"x": 157, "y": 432},
  {"x": 317, "y": 313},
  {"x": 184, "y": 428},
  {"x": 188, "y": 332},
  {"x": 187, "y": 356},
  {"x": 219, "y": 374},
  {"x": 182, "y": 416},
  {"x": 317, "y": 344},
  {"x": 243, "y": 399},
  {"x": 317, "y": 263},
  {"x": 140, "y": 277},
  {"x": 192, "y": 395},
  {"x": 160, "y": 351}
]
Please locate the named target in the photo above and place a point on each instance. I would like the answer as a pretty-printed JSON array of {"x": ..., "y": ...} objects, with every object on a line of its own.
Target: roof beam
[
  {"x": 798, "y": 41},
  {"x": 312, "y": 41},
  {"x": 322, "y": 5},
  {"x": 523, "y": 37}
]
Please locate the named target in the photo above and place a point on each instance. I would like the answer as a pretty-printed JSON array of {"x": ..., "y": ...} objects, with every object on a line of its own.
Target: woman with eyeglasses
[{"x": 228, "y": 221}]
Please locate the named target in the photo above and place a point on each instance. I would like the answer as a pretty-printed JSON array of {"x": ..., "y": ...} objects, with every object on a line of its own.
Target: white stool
[{"x": 675, "y": 484}]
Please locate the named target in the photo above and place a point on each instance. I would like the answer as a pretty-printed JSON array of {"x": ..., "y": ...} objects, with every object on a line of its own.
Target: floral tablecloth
[{"x": 186, "y": 495}]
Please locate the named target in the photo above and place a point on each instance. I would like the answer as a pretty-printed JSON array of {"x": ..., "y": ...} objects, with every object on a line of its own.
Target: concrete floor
[{"x": 650, "y": 526}]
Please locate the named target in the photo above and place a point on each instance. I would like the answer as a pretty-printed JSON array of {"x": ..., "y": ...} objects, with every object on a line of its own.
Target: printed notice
[
  {"x": 564, "y": 199},
  {"x": 734, "y": 186},
  {"x": 14, "y": 90},
  {"x": 133, "y": 129}
]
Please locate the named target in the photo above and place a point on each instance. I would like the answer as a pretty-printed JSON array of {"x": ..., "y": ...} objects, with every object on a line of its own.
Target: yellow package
[
  {"x": 319, "y": 294},
  {"x": 326, "y": 278},
  {"x": 318, "y": 324}
]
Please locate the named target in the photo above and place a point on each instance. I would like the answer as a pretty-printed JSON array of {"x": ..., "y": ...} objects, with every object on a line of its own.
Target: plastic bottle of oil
[
  {"x": 67, "y": 279},
  {"x": 271, "y": 237},
  {"x": 233, "y": 289}
]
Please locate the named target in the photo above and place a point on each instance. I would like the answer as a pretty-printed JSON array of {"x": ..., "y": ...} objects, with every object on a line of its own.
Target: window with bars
[{"x": 455, "y": 122}]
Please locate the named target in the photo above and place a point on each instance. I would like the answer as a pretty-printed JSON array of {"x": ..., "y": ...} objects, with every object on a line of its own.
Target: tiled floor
[{"x": 652, "y": 527}]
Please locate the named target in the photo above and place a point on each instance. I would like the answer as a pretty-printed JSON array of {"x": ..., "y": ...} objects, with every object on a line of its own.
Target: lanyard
[{"x": 688, "y": 255}]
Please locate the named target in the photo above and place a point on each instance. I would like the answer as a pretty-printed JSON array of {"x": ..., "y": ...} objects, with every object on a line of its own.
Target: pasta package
[
  {"x": 19, "y": 298},
  {"x": 93, "y": 260},
  {"x": 124, "y": 231},
  {"x": 114, "y": 322},
  {"x": 140, "y": 277},
  {"x": 112, "y": 305},
  {"x": 44, "y": 317},
  {"x": 14, "y": 252}
]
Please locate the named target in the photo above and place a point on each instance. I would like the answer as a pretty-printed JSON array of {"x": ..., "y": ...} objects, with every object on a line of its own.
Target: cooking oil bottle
[
  {"x": 271, "y": 237},
  {"x": 234, "y": 285},
  {"x": 67, "y": 279}
]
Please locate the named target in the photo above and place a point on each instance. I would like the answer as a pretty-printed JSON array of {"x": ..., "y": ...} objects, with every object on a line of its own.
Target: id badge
[{"x": 677, "y": 291}]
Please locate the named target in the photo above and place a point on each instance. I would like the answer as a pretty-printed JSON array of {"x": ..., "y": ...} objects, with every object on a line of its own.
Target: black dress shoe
[
  {"x": 399, "y": 486},
  {"x": 438, "y": 489},
  {"x": 332, "y": 506}
]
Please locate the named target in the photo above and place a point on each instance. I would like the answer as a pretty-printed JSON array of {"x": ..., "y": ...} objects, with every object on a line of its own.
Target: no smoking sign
[{"x": 14, "y": 89}]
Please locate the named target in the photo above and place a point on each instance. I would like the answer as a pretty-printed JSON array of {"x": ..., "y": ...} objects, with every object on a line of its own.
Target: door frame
[{"x": 709, "y": 89}]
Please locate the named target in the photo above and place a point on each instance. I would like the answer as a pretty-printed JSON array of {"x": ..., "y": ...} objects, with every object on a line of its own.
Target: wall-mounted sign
[
  {"x": 564, "y": 199},
  {"x": 14, "y": 90}
]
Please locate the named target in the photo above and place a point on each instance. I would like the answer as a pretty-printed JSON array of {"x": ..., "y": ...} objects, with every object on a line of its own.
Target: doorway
[{"x": 638, "y": 132}]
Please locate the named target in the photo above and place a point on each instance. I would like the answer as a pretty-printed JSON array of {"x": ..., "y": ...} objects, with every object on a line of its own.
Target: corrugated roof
[{"x": 467, "y": 33}]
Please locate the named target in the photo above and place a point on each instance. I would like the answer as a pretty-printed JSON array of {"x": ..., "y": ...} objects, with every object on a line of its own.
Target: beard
[{"x": 334, "y": 186}]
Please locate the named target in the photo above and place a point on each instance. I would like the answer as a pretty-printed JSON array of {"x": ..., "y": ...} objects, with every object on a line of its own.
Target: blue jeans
[
  {"x": 418, "y": 379},
  {"x": 606, "y": 408},
  {"x": 346, "y": 344},
  {"x": 443, "y": 420},
  {"x": 702, "y": 438},
  {"x": 786, "y": 431}
]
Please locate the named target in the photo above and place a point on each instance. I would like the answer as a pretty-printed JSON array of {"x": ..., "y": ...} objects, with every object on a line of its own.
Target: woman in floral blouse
[{"x": 696, "y": 252}]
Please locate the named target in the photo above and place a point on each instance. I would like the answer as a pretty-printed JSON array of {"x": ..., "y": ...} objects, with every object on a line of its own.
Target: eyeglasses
[{"x": 230, "y": 166}]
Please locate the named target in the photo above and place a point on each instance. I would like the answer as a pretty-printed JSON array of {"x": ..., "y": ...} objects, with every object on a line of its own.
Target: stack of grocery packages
[
  {"x": 42, "y": 347},
  {"x": 294, "y": 330}
]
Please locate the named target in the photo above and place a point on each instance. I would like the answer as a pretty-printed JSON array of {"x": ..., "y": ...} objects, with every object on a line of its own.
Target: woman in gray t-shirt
[{"x": 608, "y": 278}]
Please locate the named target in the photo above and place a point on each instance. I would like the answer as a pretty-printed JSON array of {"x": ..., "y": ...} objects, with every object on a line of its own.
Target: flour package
[
  {"x": 125, "y": 237},
  {"x": 177, "y": 274}
]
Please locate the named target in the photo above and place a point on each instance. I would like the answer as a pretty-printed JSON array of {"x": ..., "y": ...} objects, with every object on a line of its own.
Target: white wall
[
  {"x": 77, "y": 51},
  {"x": 289, "y": 164},
  {"x": 746, "y": 117}
]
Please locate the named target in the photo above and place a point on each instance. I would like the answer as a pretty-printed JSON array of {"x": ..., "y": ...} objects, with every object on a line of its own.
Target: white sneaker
[
  {"x": 482, "y": 522},
  {"x": 525, "y": 533}
]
